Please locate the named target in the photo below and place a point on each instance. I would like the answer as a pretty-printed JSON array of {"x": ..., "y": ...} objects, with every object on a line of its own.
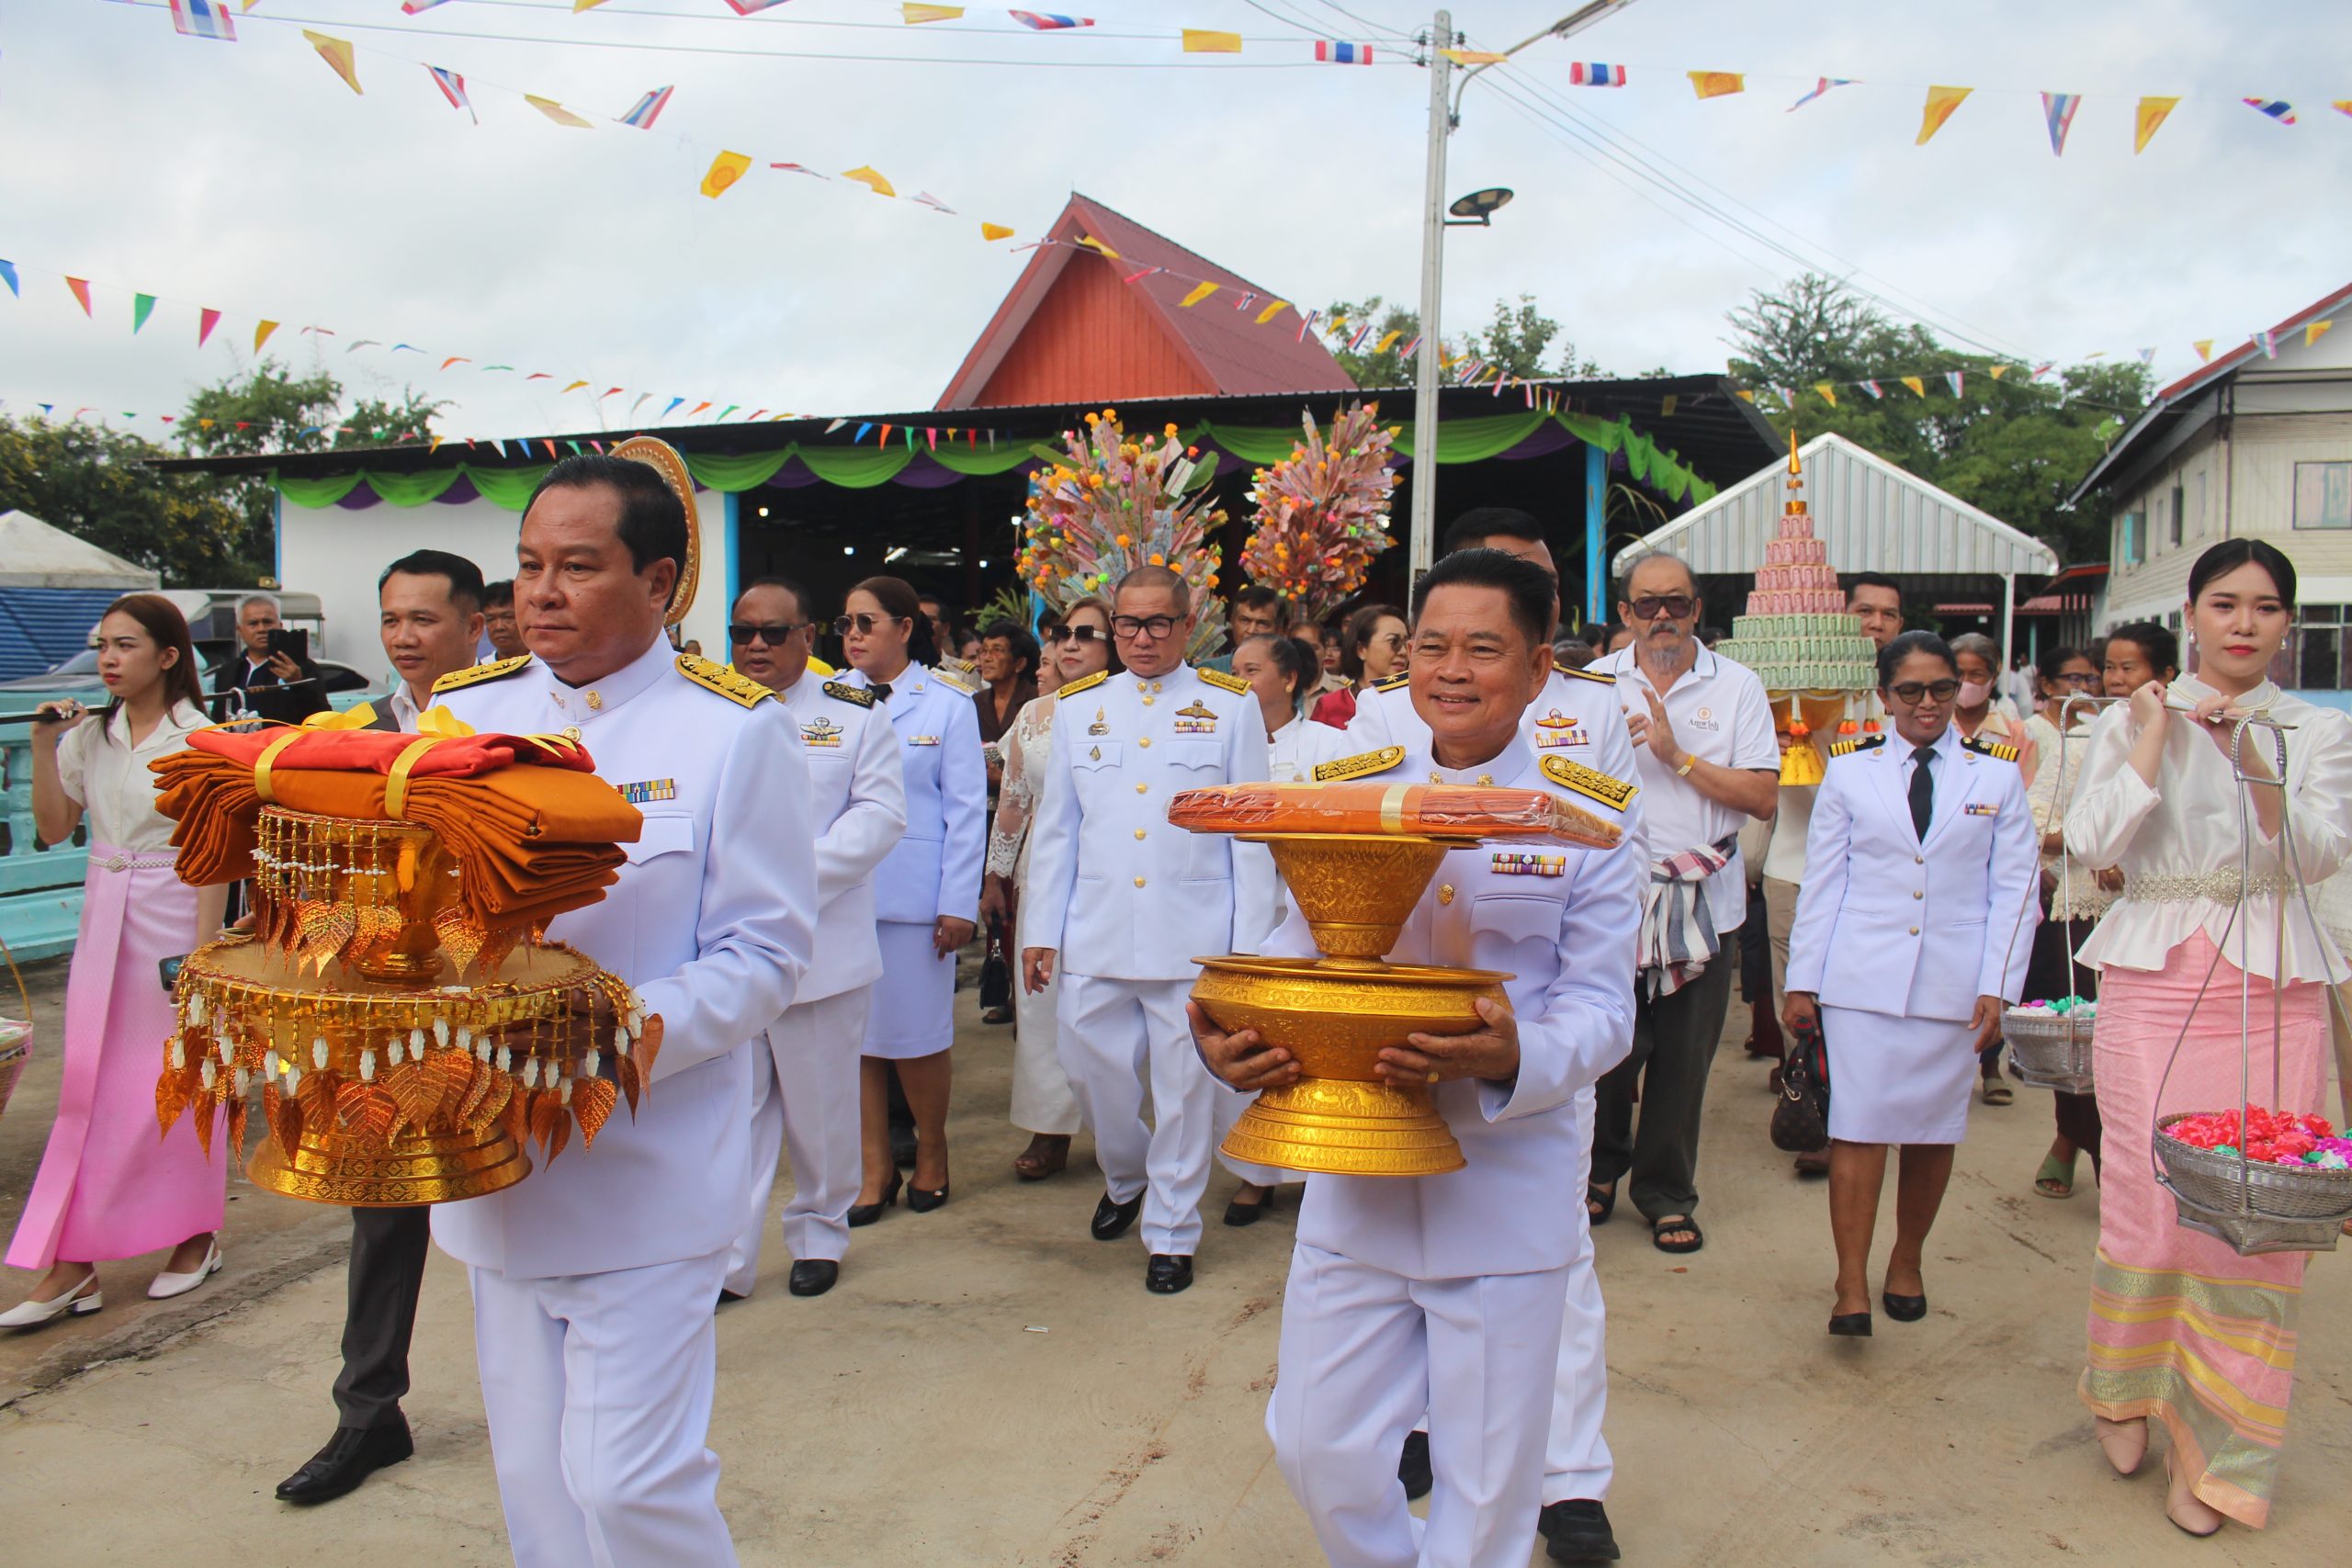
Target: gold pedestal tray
[{"x": 330, "y": 1168}]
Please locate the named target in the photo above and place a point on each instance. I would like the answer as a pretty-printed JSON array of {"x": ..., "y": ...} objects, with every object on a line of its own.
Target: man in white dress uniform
[
  {"x": 803, "y": 1067},
  {"x": 1121, "y": 904},
  {"x": 593, "y": 1281},
  {"x": 1444, "y": 1292},
  {"x": 1578, "y": 717}
]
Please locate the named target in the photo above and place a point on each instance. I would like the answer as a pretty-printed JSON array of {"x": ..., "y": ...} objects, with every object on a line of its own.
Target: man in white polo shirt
[{"x": 1703, "y": 730}]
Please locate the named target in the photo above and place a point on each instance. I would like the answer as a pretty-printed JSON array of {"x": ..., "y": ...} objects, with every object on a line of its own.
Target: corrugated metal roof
[{"x": 1873, "y": 516}]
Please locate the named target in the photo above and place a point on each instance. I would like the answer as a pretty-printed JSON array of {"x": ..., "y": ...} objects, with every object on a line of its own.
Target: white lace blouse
[
  {"x": 2077, "y": 895},
  {"x": 1025, "y": 743},
  {"x": 2178, "y": 843}
]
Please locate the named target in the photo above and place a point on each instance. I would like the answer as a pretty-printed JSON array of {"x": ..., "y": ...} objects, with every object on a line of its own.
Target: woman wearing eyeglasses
[
  {"x": 1919, "y": 865},
  {"x": 1043, "y": 1105},
  {"x": 1372, "y": 650},
  {"x": 926, "y": 892}
]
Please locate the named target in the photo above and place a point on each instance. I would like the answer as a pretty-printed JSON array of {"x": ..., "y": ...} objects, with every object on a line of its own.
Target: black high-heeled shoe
[
  {"x": 923, "y": 1199},
  {"x": 1904, "y": 1309},
  {"x": 866, "y": 1214},
  {"x": 1852, "y": 1325}
]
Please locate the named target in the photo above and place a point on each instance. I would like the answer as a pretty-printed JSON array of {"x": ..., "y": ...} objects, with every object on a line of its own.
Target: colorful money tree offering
[{"x": 1323, "y": 512}]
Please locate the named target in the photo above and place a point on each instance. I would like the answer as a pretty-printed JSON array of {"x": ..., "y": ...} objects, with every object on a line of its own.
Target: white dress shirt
[
  {"x": 1720, "y": 714},
  {"x": 108, "y": 776},
  {"x": 858, "y": 795}
]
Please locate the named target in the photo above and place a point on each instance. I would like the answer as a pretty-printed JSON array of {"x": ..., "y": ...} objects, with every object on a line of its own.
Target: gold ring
[{"x": 1432, "y": 1078}]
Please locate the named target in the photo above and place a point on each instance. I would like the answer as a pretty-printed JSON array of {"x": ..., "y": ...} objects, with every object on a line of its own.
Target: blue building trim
[
  {"x": 733, "y": 545},
  {"x": 1596, "y": 491}
]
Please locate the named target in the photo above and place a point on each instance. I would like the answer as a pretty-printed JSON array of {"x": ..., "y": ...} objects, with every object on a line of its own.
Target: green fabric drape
[
  {"x": 733, "y": 471},
  {"x": 316, "y": 493},
  {"x": 508, "y": 487}
]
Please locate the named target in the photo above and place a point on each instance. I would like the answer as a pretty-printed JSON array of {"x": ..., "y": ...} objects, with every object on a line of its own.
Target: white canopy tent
[
  {"x": 1873, "y": 516},
  {"x": 34, "y": 554}
]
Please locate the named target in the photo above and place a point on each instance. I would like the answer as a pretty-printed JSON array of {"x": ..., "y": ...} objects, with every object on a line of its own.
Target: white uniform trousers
[
  {"x": 804, "y": 1099},
  {"x": 1043, "y": 1101},
  {"x": 598, "y": 1390},
  {"x": 1119, "y": 1037},
  {"x": 1363, "y": 1351},
  {"x": 1576, "y": 1462}
]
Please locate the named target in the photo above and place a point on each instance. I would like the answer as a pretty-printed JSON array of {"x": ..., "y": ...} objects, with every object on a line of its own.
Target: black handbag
[
  {"x": 1800, "y": 1115},
  {"x": 995, "y": 971}
]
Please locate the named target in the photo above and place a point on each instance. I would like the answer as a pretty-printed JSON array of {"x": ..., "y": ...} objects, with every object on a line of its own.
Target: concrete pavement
[{"x": 989, "y": 1385}]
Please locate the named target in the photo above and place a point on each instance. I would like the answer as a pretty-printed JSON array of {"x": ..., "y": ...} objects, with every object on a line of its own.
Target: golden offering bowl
[
  {"x": 1356, "y": 890},
  {"x": 387, "y": 882},
  {"x": 1334, "y": 1017},
  {"x": 329, "y": 1166}
]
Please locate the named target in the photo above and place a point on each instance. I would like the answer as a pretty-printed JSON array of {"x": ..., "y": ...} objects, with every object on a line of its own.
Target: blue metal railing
[{"x": 41, "y": 890}]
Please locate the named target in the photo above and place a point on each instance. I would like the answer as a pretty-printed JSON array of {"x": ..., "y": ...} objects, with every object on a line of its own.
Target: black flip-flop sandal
[
  {"x": 1678, "y": 1222},
  {"x": 1604, "y": 1201}
]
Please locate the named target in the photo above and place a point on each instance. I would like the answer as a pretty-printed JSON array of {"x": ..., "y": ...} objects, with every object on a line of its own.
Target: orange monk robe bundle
[{"x": 1436, "y": 811}]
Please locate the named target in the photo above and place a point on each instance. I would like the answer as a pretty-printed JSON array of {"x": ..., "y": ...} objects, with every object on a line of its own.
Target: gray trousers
[
  {"x": 1674, "y": 1046},
  {"x": 388, "y": 1248}
]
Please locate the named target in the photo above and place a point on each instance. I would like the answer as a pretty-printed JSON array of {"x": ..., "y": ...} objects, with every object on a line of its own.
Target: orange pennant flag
[
  {"x": 1745, "y": 395},
  {"x": 1200, "y": 292},
  {"x": 725, "y": 170},
  {"x": 81, "y": 288},
  {"x": 1828, "y": 393},
  {"x": 2313, "y": 330},
  {"x": 2343, "y": 105},
  {"x": 1200, "y": 41},
  {"x": 1941, "y": 102},
  {"x": 1717, "y": 83},
  {"x": 557, "y": 112},
  {"x": 2204, "y": 347},
  {"x": 867, "y": 177},
  {"x": 994, "y": 231},
  {"x": 1997, "y": 371},
  {"x": 1916, "y": 384},
  {"x": 261, "y": 333},
  {"x": 455, "y": 359},
  {"x": 2151, "y": 114},
  {"x": 337, "y": 54},
  {"x": 695, "y": 409}
]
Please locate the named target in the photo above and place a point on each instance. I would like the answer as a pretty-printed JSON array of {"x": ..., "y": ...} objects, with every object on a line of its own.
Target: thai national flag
[
  {"x": 453, "y": 87},
  {"x": 1050, "y": 21},
  {"x": 1332, "y": 52},
  {"x": 1588, "y": 73},
  {"x": 648, "y": 106},
  {"x": 203, "y": 18},
  {"x": 2278, "y": 109},
  {"x": 410, "y": 7}
]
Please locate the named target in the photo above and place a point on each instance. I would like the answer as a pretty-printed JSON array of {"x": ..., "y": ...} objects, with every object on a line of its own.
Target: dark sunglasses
[
  {"x": 1912, "y": 691},
  {"x": 864, "y": 624},
  {"x": 1074, "y": 634},
  {"x": 1677, "y": 605},
  {"x": 774, "y": 635}
]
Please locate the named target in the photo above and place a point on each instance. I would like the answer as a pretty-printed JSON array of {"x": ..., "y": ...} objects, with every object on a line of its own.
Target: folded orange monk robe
[
  {"x": 375, "y": 750},
  {"x": 1440, "y": 811}
]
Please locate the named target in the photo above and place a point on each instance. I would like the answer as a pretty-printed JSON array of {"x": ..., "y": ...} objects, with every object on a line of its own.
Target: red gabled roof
[
  {"x": 1224, "y": 348},
  {"x": 2247, "y": 349}
]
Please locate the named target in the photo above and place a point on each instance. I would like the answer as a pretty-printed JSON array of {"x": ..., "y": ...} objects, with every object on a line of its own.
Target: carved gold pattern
[{"x": 1356, "y": 891}]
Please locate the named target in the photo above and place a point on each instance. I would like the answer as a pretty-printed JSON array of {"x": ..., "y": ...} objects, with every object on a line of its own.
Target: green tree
[
  {"x": 97, "y": 484},
  {"x": 1516, "y": 339},
  {"x": 272, "y": 410}
]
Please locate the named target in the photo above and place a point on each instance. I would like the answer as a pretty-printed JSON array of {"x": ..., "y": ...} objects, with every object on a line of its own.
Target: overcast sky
[{"x": 247, "y": 177}]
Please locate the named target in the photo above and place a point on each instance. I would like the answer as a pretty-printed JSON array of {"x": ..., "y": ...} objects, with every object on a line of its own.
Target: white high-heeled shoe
[
  {"x": 167, "y": 1285},
  {"x": 29, "y": 1315}
]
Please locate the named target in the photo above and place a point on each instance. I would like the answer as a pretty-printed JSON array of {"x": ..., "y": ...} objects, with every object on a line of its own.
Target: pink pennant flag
[
  {"x": 206, "y": 320},
  {"x": 81, "y": 288},
  {"x": 1137, "y": 277}
]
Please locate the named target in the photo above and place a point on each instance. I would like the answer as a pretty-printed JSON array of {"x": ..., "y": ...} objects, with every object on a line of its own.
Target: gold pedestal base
[
  {"x": 338, "y": 1168},
  {"x": 1341, "y": 1128}
]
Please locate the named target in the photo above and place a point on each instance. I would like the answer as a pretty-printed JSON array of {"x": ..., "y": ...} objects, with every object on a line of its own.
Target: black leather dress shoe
[
  {"x": 1904, "y": 1309},
  {"x": 813, "y": 1276},
  {"x": 1111, "y": 1220},
  {"x": 1577, "y": 1531},
  {"x": 1851, "y": 1325},
  {"x": 351, "y": 1456},
  {"x": 1167, "y": 1273},
  {"x": 1413, "y": 1466}
]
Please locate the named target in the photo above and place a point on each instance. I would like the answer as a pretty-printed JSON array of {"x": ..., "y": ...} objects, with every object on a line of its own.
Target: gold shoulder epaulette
[
  {"x": 1394, "y": 683},
  {"x": 715, "y": 677},
  {"x": 1084, "y": 683},
  {"x": 1359, "y": 767},
  {"x": 862, "y": 696},
  {"x": 1590, "y": 783},
  {"x": 952, "y": 681},
  {"x": 1847, "y": 747},
  {"x": 1222, "y": 681},
  {"x": 1999, "y": 750},
  {"x": 475, "y": 674},
  {"x": 1605, "y": 679}
]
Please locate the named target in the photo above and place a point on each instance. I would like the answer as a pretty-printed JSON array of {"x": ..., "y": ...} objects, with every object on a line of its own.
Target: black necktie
[
  {"x": 1923, "y": 790},
  {"x": 881, "y": 690}
]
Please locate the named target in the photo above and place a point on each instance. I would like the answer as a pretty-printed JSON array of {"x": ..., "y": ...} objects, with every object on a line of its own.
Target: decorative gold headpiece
[{"x": 663, "y": 458}]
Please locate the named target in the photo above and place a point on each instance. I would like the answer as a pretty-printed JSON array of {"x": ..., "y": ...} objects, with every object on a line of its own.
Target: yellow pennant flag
[
  {"x": 917, "y": 14},
  {"x": 1916, "y": 384},
  {"x": 2204, "y": 347},
  {"x": 1745, "y": 395},
  {"x": 261, "y": 333},
  {"x": 724, "y": 171},
  {"x": 1717, "y": 83},
  {"x": 2152, "y": 113},
  {"x": 993, "y": 232},
  {"x": 573, "y": 388},
  {"x": 557, "y": 112},
  {"x": 1665, "y": 405},
  {"x": 1828, "y": 393},
  {"x": 1474, "y": 56},
  {"x": 1392, "y": 337},
  {"x": 1271, "y": 311},
  {"x": 579, "y": 5},
  {"x": 1941, "y": 102},
  {"x": 1200, "y": 41},
  {"x": 337, "y": 54},
  {"x": 1097, "y": 246},
  {"x": 2313, "y": 330},
  {"x": 1200, "y": 292},
  {"x": 868, "y": 176}
]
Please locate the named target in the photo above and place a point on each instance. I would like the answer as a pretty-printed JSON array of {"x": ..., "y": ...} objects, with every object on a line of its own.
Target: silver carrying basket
[
  {"x": 2052, "y": 1050},
  {"x": 2254, "y": 1207}
]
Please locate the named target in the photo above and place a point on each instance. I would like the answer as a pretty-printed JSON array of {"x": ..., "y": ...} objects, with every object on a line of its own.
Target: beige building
[{"x": 2260, "y": 442}]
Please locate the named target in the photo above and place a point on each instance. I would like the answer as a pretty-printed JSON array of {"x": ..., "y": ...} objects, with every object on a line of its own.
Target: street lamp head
[{"x": 1479, "y": 205}]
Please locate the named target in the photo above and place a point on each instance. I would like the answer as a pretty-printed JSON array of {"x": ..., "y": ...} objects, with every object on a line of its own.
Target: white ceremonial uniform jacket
[
  {"x": 857, "y": 794},
  {"x": 1578, "y": 715},
  {"x": 1564, "y": 935},
  {"x": 710, "y": 921},
  {"x": 1117, "y": 892},
  {"x": 1889, "y": 922},
  {"x": 935, "y": 868}
]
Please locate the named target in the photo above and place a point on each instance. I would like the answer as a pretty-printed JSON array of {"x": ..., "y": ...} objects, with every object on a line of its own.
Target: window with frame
[
  {"x": 2130, "y": 538},
  {"x": 2179, "y": 510},
  {"x": 2323, "y": 495},
  {"x": 2321, "y": 646}
]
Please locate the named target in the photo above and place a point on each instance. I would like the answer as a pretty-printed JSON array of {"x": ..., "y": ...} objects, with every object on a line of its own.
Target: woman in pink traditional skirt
[
  {"x": 2182, "y": 1327},
  {"x": 108, "y": 1187}
]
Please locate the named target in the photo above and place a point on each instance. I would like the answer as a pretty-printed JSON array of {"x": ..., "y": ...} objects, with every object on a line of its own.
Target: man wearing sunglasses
[
  {"x": 1121, "y": 904},
  {"x": 1710, "y": 762},
  {"x": 805, "y": 1065}
]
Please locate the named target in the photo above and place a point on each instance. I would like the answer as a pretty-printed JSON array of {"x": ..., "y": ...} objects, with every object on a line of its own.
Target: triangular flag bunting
[
  {"x": 453, "y": 87},
  {"x": 571, "y": 388},
  {"x": 205, "y": 18},
  {"x": 1745, "y": 396},
  {"x": 261, "y": 333},
  {"x": 1474, "y": 56},
  {"x": 141, "y": 306},
  {"x": 1200, "y": 41},
  {"x": 1200, "y": 291},
  {"x": 1271, "y": 311},
  {"x": 2058, "y": 108},
  {"x": 1717, "y": 83},
  {"x": 1916, "y": 384},
  {"x": 1821, "y": 84},
  {"x": 869, "y": 177},
  {"x": 915, "y": 14},
  {"x": 2269, "y": 342},
  {"x": 206, "y": 320},
  {"x": 1997, "y": 371},
  {"x": 643, "y": 113},
  {"x": 995, "y": 232},
  {"x": 455, "y": 359},
  {"x": 1941, "y": 102},
  {"x": 2146, "y": 118},
  {"x": 1953, "y": 378},
  {"x": 1872, "y": 388},
  {"x": 2204, "y": 347},
  {"x": 8, "y": 276},
  {"x": 724, "y": 171},
  {"x": 336, "y": 52},
  {"x": 2313, "y": 330},
  {"x": 1828, "y": 393},
  {"x": 2278, "y": 109},
  {"x": 81, "y": 290},
  {"x": 557, "y": 112}
]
